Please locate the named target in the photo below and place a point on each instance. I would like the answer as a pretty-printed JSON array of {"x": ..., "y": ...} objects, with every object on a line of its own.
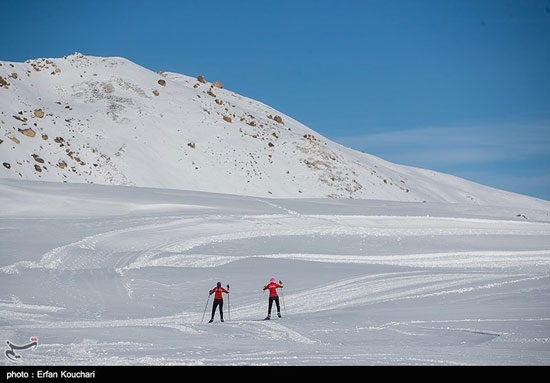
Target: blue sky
[{"x": 461, "y": 87}]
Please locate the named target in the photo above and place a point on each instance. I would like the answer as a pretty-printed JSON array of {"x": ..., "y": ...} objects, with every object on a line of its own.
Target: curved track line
[{"x": 144, "y": 246}]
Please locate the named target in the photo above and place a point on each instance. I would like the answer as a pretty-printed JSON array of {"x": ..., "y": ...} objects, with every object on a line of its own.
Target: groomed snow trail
[
  {"x": 407, "y": 288},
  {"x": 172, "y": 244}
]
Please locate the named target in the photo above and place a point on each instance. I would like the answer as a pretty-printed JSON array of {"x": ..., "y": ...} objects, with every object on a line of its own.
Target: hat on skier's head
[
  {"x": 219, "y": 284},
  {"x": 272, "y": 280}
]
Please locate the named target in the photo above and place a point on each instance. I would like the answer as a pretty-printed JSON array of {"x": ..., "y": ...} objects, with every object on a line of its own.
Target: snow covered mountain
[
  {"x": 83, "y": 119},
  {"x": 104, "y": 274}
]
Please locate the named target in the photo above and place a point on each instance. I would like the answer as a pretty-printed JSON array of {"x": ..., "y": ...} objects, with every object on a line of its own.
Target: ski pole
[
  {"x": 228, "y": 304},
  {"x": 202, "y": 320},
  {"x": 282, "y": 296}
]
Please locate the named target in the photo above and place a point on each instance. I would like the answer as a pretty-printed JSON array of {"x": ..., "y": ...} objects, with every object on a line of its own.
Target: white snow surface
[
  {"x": 106, "y": 120},
  {"x": 117, "y": 275}
]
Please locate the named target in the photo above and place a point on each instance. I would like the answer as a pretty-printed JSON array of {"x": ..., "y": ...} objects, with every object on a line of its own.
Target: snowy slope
[
  {"x": 109, "y": 121},
  {"x": 120, "y": 275}
]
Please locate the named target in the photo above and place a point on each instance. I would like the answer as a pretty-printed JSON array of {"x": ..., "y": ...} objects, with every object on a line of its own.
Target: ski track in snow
[
  {"x": 181, "y": 243},
  {"x": 372, "y": 289},
  {"x": 142, "y": 246},
  {"x": 387, "y": 287}
]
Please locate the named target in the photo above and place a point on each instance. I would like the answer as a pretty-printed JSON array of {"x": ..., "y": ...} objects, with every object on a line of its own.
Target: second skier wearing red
[{"x": 273, "y": 297}]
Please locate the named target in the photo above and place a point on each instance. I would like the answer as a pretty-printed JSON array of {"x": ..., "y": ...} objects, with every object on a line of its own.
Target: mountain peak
[{"x": 107, "y": 120}]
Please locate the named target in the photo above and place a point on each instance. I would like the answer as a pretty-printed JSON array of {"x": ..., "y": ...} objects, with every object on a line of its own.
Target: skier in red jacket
[
  {"x": 218, "y": 300},
  {"x": 273, "y": 297}
]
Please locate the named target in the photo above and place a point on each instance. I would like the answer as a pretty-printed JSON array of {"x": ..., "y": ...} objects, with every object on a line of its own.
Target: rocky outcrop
[
  {"x": 28, "y": 132},
  {"x": 37, "y": 158},
  {"x": 3, "y": 83}
]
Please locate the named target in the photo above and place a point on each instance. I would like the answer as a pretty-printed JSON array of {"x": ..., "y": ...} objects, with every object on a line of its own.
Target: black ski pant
[
  {"x": 217, "y": 302},
  {"x": 271, "y": 300}
]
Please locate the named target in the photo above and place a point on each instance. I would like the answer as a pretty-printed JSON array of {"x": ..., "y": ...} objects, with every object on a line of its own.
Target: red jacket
[
  {"x": 273, "y": 289},
  {"x": 218, "y": 291}
]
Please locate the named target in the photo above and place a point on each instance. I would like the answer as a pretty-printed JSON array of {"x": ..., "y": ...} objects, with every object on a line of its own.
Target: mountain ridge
[{"x": 110, "y": 121}]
